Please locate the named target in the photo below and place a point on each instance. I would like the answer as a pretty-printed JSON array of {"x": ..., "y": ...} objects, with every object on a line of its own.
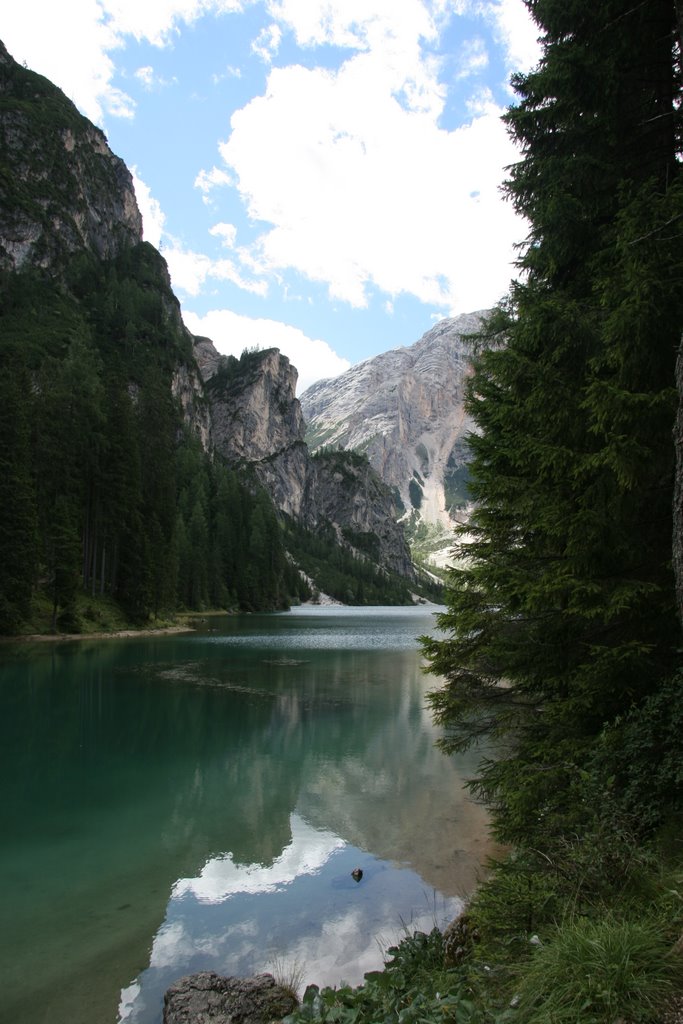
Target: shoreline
[{"x": 116, "y": 634}]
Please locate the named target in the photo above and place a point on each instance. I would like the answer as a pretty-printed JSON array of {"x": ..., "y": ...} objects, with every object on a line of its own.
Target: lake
[{"x": 198, "y": 801}]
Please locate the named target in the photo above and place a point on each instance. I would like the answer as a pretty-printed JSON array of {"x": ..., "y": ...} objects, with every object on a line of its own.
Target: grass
[
  {"x": 94, "y": 614},
  {"x": 597, "y": 971},
  {"x": 289, "y": 975}
]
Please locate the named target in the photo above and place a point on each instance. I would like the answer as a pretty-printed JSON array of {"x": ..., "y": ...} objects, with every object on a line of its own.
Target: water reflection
[
  {"x": 305, "y": 910},
  {"x": 227, "y": 760},
  {"x": 221, "y": 877}
]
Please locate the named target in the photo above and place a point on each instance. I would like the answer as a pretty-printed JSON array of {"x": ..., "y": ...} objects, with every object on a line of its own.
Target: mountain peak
[{"x": 404, "y": 409}]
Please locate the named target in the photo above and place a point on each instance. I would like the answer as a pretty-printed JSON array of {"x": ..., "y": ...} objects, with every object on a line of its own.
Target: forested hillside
[
  {"x": 104, "y": 488},
  {"x": 115, "y": 498}
]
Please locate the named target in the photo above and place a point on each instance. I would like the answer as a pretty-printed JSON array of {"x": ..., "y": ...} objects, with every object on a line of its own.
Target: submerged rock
[{"x": 209, "y": 998}]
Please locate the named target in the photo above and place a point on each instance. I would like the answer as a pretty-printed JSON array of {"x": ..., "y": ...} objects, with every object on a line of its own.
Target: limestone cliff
[
  {"x": 256, "y": 422},
  {"x": 64, "y": 194},
  {"x": 348, "y": 493},
  {"x": 404, "y": 409},
  {"x": 67, "y": 191}
]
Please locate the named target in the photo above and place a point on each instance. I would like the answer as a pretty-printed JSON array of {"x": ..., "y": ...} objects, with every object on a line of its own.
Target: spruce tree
[
  {"x": 561, "y": 613},
  {"x": 19, "y": 550}
]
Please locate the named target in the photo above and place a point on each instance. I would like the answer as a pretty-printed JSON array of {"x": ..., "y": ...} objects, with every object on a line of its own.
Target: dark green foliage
[
  {"x": 340, "y": 573},
  {"x": 19, "y": 539},
  {"x": 342, "y": 460},
  {"x": 561, "y": 624},
  {"x": 105, "y": 492},
  {"x": 65, "y": 549},
  {"x": 368, "y": 543},
  {"x": 413, "y": 987},
  {"x": 640, "y": 757},
  {"x": 232, "y": 371},
  {"x": 456, "y": 485},
  {"x": 597, "y": 972},
  {"x": 229, "y": 544}
]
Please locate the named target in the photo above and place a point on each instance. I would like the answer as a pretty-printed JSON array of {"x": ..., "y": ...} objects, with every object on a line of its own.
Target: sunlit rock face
[
  {"x": 68, "y": 192},
  {"x": 256, "y": 422},
  {"x": 404, "y": 409},
  {"x": 256, "y": 416}
]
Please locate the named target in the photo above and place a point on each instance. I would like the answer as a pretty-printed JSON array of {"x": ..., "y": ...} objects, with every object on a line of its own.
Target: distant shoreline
[{"x": 115, "y": 634}]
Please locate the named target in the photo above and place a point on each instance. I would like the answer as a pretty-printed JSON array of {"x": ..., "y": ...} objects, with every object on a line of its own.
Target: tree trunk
[{"x": 677, "y": 546}]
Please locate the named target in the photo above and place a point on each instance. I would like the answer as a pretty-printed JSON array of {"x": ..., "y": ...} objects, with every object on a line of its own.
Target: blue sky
[{"x": 320, "y": 175}]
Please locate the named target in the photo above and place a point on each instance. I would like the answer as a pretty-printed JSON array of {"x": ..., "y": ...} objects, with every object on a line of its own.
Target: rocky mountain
[
  {"x": 256, "y": 423},
  {"x": 404, "y": 409},
  {"x": 137, "y": 456},
  {"x": 67, "y": 191}
]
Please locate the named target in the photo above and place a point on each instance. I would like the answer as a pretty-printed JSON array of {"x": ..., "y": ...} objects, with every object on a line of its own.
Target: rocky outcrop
[
  {"x": 349, "y": 494},
  {"x": 255, "y": 414},
  {"x": 404, "y": 409},
  {"x": 68, "y": 192},
  {"x": 256, "y": 421},
  {"x": 207, "y": 356},
  {"x": 188, "y": 388},
  {"x": 209, "y": 998}
]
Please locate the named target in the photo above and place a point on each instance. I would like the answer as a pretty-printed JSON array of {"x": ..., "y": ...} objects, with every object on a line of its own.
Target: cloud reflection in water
[{"x": 303, "y": 909}]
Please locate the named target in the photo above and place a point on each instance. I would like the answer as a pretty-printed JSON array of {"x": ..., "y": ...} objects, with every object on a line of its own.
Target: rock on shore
[{"x": 209, "y": 998}]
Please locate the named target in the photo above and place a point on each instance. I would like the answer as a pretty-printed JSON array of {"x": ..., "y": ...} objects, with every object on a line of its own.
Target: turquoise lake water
[{"x": 198, "y": 801}]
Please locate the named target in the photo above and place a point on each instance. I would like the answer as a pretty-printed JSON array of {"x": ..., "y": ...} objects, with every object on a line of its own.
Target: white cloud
[
  {"x": 157, "y": 21},
  {"x": 146, "y": 76},
  {"x": 226, "y": 232},
  {"x": 267, "y": 43},
  {"x": 149, "y": 79},
  {"x": 473, "y": 58},
  {"x": 74, "y": 43},
  {"x": 230, "y": 72},
  {"x": 190, "y": 271},
  {"x": 153, "y": 218},
  {"x": 71, "y": 48},
  {"x": 206, "y": 181},
  {"x": 367, "y": 189},
  {"x": 371, "y": 192},
  {"x": 516, "y": 30},
  {"x": 358, "y": 24},
  {"x": 221, "y": 878},
  {"x": 231, "y": 333},
  {"x": 389, "y": 32}
]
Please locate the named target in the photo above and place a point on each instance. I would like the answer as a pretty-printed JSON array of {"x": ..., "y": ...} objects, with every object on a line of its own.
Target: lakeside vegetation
[{"x": 562, "y": 642}]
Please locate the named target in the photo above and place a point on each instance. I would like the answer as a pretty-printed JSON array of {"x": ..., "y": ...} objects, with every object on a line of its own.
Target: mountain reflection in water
[{"x": 199, "y": 802}]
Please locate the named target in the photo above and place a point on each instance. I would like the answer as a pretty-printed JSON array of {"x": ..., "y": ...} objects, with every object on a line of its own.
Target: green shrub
[
  {"x": 413, "y": 988},
  {"x": 520, "y": 897}
]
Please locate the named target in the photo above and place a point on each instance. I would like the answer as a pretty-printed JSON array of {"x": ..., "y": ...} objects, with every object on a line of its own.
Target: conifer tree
[
  {"x": 19, "y": 554},
  {"x": 561, "y": 609}
]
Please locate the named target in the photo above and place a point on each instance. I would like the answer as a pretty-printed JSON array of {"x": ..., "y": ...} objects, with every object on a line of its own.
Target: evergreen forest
[
  {"x": 106, "y": 495},
  {"x": 111, "y": 511}
]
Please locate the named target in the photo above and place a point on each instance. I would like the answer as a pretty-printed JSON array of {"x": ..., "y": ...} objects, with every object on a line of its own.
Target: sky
[{"x": 321, "y": 176}]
